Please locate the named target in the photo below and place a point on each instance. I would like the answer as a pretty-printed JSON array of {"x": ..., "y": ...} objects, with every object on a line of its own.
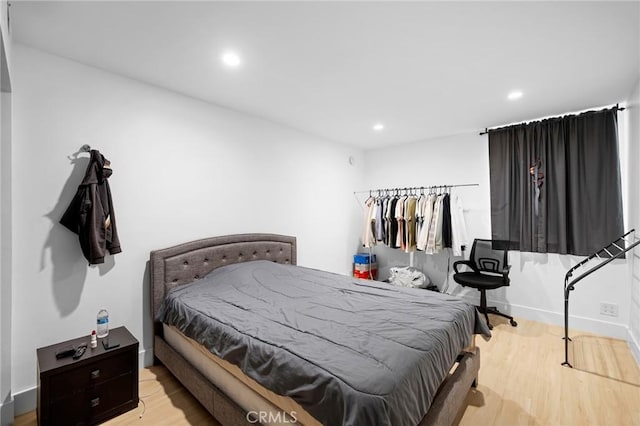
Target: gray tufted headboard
[{"x": 185, "y": 263}]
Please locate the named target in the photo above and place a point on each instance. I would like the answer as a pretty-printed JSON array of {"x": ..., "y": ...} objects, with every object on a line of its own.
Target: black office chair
[{"x": 489, "y": 270}]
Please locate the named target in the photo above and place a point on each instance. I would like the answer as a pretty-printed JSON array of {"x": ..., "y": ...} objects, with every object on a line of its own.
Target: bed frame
[{"x": 186, "y": 263}]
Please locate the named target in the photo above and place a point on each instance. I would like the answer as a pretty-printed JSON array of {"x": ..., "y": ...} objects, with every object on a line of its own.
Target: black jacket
[{"x": 90, "y": 214}]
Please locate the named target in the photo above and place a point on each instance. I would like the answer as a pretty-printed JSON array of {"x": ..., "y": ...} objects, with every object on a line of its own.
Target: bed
[{"x": 239, "y": 324}]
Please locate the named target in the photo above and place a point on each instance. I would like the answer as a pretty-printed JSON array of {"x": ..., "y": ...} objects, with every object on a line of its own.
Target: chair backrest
[{"x": 489, "y": 255}]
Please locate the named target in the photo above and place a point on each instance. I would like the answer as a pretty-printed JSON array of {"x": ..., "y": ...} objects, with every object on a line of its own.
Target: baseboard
[
  {"x": 590, "y": 325},
  {"x": 7, "y": 414},
  {"x": 145, "y": 358},
  {"x": 27, "y": 400},
  {"x": 634, "y": 345}
]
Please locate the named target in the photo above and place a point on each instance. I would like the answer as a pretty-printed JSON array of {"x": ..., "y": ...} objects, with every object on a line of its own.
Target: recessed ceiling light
[
  {"x": 231, "y": 59},
  {"x": 516, "y": 94},
  {"x": 378, "y": 127}
]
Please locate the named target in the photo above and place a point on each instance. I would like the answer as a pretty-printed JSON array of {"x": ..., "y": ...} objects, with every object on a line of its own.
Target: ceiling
[{"x": 334, "y": 69}]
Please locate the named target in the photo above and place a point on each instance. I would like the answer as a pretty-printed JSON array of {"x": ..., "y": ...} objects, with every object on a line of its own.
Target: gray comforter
[{"x": 351, "y": 352}]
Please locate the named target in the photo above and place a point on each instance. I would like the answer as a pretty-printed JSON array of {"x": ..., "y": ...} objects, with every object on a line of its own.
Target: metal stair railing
[{"x": 606, "y": 255}]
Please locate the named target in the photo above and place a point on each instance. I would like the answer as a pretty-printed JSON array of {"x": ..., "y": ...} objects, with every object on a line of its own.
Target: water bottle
[{"x": 103, "y": 323}]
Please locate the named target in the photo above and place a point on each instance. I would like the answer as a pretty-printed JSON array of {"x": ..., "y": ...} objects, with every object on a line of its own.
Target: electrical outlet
[{"x": 608, "y": 309}]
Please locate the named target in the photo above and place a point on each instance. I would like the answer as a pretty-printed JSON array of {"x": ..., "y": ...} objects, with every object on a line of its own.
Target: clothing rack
[
  {"x": 605, "y": 255},
  {"x": 413, "y": 188}
]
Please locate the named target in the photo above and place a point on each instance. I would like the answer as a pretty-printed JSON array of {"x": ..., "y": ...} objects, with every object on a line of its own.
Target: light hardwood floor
[{"x": 521, "y": 383}]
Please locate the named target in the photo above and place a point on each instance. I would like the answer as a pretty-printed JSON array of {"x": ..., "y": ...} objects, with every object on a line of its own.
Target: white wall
[
  {"x": 536, "y": 290},
  {"x": 183, "y": 170},
  {"x": 6, "y": 399},
  {"x": 633, "y": 129},
  {"x": 4, "y": 27}
]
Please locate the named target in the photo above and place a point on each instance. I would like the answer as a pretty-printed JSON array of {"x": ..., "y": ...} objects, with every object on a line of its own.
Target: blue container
[{"x": 365, "y": 258}]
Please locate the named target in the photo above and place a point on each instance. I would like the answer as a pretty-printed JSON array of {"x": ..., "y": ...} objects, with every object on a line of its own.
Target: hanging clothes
[
  {"x": 91, "y": 215},
  {"x": 400, "y": 219},
  {"x": 419, "y": 214},
  {"x": 433, "y": 227},
  {"x": 410, "y": 224},
  {"x": 379, "y": 225},
  {"x": 446, "y": 221},
  {"x": 393, "y": 223},
  {"x": 459, "y": 230},
  {"x": 428, "y": 222},
  {"x": 368, "y": 230}
]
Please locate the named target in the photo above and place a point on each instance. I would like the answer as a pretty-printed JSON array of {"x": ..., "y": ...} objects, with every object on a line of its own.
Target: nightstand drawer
[
  {"x": 93, "y": 403},
  {"x": 70, "y": 411},
  {"x": 90, "y": 375},
  {"x": 113, "y": 393}
]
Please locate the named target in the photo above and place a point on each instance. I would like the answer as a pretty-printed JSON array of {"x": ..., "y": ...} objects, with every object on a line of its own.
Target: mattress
[
  {"x": 245, "y": 391},
  {"x": 348, "y": 351}
]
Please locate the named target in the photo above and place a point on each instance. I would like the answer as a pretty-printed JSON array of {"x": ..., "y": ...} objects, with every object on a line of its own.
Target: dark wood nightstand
[{"x": 100, "y": 385}]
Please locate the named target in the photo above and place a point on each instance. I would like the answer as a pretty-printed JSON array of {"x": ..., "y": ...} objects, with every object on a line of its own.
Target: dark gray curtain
[{"x": 555, "y": 184}]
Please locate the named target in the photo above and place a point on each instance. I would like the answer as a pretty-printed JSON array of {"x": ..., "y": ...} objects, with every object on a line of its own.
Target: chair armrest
[
  {"x": 467, "y": 263},
  {"x": 505, "y": 271}
]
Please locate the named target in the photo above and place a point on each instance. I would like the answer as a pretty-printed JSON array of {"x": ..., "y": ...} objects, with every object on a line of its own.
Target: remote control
[
  {"x": 80, "y": 351},
  {"x": 65, "y": 352}
]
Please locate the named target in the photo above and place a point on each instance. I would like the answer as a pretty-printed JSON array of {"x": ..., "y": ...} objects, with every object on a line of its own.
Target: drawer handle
[
  {"x": 95, "y": 402},
  {"x": 95, "y": 374}
]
